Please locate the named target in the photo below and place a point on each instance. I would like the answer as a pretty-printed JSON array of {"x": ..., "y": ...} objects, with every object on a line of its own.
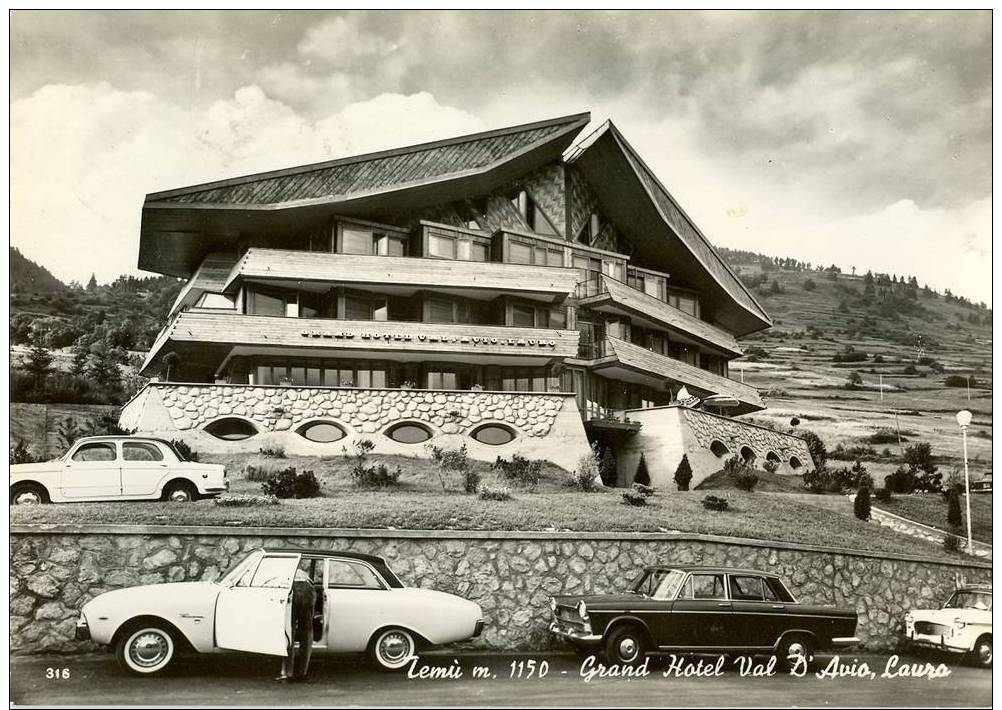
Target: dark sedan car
[{"x": 700, "y": 610}]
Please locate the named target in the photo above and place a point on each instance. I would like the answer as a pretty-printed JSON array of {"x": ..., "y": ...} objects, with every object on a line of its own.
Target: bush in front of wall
[
  {"x": 683, "y": 474},
  {"x": 273, "y": 452},
  {"x": 951, "y": 543},
  {"x": 521, "y": 470},
  {"x": 711, "y": 502},
  {"x": 289, "y": 483},
  {"x": 861, "y": 506},
  {"x": 634, "y": 497},
  {"x": 586, "y": 475},
  {"x": 499, "y": 493},
  {"x": 954, "y": 517},
  {"x": 642, "y": 476}
]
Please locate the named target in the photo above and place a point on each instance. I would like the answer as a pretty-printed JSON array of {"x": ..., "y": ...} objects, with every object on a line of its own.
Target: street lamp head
[{"x": 963, "y": 418}]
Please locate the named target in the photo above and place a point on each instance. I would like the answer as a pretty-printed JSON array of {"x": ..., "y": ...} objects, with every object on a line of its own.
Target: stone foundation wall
[
  {"x": 510, "y": 574},
  {"x": 547, "y": 425}
]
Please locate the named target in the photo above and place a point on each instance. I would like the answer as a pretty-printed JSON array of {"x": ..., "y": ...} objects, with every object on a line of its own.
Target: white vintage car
[
  {"x": 362, "y": 607},
  {"x": 116, "y": 468},
  {"x": 962, "y": 625}
]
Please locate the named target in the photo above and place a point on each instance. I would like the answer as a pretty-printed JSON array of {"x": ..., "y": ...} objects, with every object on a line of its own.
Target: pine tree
[
  {"x": 81, "y": 354},
  {"x": 39, "y": 362},
  {"x": 861, "y": 506},
  {"x": 642, "y": 476},
  {"x": 92, "y": 283},
  {"x": 683, "y": 474},
  {"x": 103, "y": 368}
]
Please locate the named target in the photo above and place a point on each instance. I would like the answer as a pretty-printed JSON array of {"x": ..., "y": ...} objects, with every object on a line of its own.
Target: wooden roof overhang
[
  {"x": 664, "y": 237},
  {"x": 175, "y": 235}
]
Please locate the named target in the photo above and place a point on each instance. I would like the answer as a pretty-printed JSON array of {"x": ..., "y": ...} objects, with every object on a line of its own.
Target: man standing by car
[{"x": 296, "y": 665}]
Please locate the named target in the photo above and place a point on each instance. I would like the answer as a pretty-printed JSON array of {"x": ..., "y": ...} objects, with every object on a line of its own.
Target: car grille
[{"x": 927, "y": 628}]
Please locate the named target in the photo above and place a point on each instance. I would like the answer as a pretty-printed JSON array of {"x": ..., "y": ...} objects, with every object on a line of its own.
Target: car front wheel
[
  {"x": 146, "y": 649},
  {"x": 392, "y": 649},
  {"x": 795, "y": 652},
  {"x": 180, "y": 492},
  {"x": 626, "y": 646},
  {"x": 982, "y": 654},
  {"x": 28, "y": 494}
]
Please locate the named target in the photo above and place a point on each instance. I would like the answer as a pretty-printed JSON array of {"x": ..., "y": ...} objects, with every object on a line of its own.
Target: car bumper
[
  {"x": 577, "y": 636},
  {"x": 937, "y": 642},
  {"x": 83, "y": 630},
  {"x": 840, "y": 641}
]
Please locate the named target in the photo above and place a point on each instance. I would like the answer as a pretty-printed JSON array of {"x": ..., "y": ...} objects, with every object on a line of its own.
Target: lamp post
[{"x": 964, "y": 420}]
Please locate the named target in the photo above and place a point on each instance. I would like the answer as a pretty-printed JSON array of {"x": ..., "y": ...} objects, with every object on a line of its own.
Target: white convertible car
[
  {"x": 963, "y": 625},
  {"x": 362, "y": 607},
  {"x": 115, "y": 468}
]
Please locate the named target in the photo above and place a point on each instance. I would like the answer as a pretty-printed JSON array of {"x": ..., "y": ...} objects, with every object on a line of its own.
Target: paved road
[{"x": 248, "y": 680}]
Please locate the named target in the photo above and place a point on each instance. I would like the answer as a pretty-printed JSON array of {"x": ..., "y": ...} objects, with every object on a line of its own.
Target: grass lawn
[
  {"x": 419, "y": 503},
  {"x": 930, "y": 509}
]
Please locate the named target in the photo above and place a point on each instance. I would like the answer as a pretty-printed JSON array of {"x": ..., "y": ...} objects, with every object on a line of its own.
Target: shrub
[
  {"x": 243, "y": 500},
  {"x": 951, "y": 543},
  {"x": 714, "y": 503},
  {"x": 641, "y": 475},
  {"x": 909, "y": 370},
  {"x": 919, "y": 456},
  {"x": 520, "y": 469},
  {"x": 861, "y": 506},
  {"x": 954, "y": 518},
  {"x": 819, "y": 453},
  {"x": 849, "y": 355},
  {"x": 901, "y": 481},
  {"x": 809, "y": 284},
  {"x": 288, "y": 483},
  {"x": 756, "y": 353},
  {"x": 19, "y": 454},
  {"x": 959, "y": 381},
  {"x": 770, "y": 466},
  {"x": 884, "y": 436},
  {"x": 741, "y": 473},
  {"x": 184, "y": 451},
  {"x": 273, "y": 452},
  {"x": 495, "y": 493},
  {"x": 854, "y": 380},
  {"x": 587, "y": 472},
  {"x": 643, "y": 490},
  {"x": 257, "y": 473},
  {"x": 634, "y": 497},
  {"x": 883, "y": 494},
  {"x": 455, "y": 461},
  {"x": 683, "y": 474},
  {"x": 794, "y": 422}
]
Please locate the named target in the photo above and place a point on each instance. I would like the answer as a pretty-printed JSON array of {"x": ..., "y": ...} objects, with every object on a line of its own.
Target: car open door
[{"x": 253, "y": 614}]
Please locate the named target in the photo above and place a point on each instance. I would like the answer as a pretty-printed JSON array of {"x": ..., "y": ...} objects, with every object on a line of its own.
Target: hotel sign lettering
[{"x": 406, "y": 337}]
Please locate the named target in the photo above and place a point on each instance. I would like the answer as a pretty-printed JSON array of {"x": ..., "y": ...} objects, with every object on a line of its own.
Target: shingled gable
[{"x": 633, "y": 197}]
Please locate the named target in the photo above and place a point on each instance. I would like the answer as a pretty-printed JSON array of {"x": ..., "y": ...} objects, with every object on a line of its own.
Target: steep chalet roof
[{"x": 632, "y": 196}]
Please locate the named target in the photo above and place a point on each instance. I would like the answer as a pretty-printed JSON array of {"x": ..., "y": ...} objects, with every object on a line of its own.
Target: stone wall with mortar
[
  {"x": 547, "y": 426},
  {"x": 54, "y": 571}
]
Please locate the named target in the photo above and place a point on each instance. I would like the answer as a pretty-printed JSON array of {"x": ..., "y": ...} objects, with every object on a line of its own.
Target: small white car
[
  {"x": 116, "y": 468},
  {"x": 362, "y": 607},
  {"x": 962, "y": 625}
]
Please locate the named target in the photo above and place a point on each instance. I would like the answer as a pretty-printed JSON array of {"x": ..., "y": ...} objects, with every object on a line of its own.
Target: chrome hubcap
[
  {"x": 394, "y": 647},
  {"x": 796, "y": 651},
  {"x": 27, "y": 498},
  {"x": 628, "y": 649},
  {"x": 985, "y": 653},
  {"x": 180, "y": 496},
  {"x": 148, "y": 649}
]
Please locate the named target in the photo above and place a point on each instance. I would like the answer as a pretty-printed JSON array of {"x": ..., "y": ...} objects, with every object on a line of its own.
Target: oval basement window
[
  {"x": 795, "y": 463},
  {"x": 231, "y": 429},
  {"x": 321, "y": 432},
  {"x": 409, "y": 433},
  {"x": 493, "y": 434},
  {"x": 719, "y": 450}
]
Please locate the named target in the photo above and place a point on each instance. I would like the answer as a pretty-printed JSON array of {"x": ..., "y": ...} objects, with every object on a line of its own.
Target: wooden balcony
[
  {"x": 625, "y": 361},
  {"x": 605, "y": 294},
  {"x": 404, "y": 274},
  {"x": 214, "y": 335}
]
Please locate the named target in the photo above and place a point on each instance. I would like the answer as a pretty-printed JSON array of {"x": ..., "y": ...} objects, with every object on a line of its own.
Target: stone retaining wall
[{"x": 55, "y": 570}]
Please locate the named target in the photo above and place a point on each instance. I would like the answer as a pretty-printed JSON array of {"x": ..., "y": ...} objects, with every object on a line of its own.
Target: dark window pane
[
  {"x": 558, "y": 318},
  {"x": 298, "y": 375},
  {"x": 321, "y": 432},
  {"x": 440, "y": 311},
  {"x": 478, "y": 252},
  {"x": 138, "y": 451},
  {"x": 708, "y": 586},
  {"x": 313, "y": 376},
  {"x": 356, "y": 240},
  {"x": 379, "y": 378},
  {"x": 364, "y": 379},
  {"x": 448, "y": 381},
  {"x": 409, "y": 433},
  {"x": 356, "y": 308},
  {"x": 523, "y": 316},
  {"x": 262, "y": 304},
  {"x": 493, "y": 434}
]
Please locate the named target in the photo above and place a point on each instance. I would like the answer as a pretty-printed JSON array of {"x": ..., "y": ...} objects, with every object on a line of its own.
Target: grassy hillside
[
  {"x": 28, "y": 277},
  {"x": 910, "y": 344}
]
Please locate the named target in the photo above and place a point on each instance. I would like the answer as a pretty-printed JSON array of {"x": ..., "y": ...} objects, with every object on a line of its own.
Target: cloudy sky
[{"x": 861, "y": 139}]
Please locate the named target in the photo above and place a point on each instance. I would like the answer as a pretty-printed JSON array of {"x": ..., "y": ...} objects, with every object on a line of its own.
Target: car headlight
[
  {"x": 909, "y": 618},
  {"x": 583, "y": 610},
  {"x": 553, "y": 605},
  {"x": 959, "y": 623}
]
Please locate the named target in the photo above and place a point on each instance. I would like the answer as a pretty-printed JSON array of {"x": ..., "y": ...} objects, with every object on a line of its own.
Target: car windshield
[
  {"x": 658, "y": 583},
  {"x": 235, "y": 570},
  {"x": 970, "y": 600}
]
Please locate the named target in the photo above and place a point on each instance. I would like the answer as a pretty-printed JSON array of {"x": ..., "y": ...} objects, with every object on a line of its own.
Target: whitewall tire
[
  {"x": 392, "y": 649},
  {"x": 146, "y": 649}
]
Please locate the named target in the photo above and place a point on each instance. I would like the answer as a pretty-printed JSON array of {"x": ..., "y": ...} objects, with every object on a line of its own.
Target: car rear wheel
[
  {"x": 392, "y": 649},
  {"x": 627, "y": 646},
  {"x": 28, "y": 494},
  {"x": 795, "y": 652},
  {"x": 146, "y": 649},
  {"x": 180, "y": 492},
  {"x": 982, "y": 654}
]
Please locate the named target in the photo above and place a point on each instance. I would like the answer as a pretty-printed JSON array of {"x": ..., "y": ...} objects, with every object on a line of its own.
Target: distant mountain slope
[{"x": 28, "y": 277}]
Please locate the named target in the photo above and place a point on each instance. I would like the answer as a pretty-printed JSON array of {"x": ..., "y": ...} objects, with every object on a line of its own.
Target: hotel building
[{"x": 512, "y": 290}]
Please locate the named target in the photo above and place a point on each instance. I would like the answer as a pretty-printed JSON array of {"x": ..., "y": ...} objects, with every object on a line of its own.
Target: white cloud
[{"x": 83, "y": 157}]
